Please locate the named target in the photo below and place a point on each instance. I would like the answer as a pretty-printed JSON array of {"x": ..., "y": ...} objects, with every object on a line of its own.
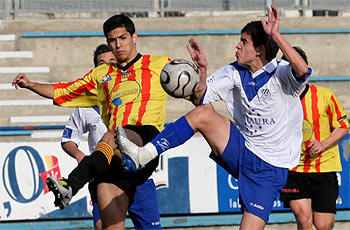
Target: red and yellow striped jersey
[
  {"x": 322, "y": 113},
  {"x": 125, "y": 95}
]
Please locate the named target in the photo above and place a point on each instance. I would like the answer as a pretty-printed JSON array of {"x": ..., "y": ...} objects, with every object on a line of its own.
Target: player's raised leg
[
  {"x": 214, "y": 127},
  {"x": 86, "y": 170}
]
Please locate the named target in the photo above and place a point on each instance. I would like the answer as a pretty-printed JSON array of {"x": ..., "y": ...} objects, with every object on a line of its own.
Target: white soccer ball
[{"x": 179, "y": 78}]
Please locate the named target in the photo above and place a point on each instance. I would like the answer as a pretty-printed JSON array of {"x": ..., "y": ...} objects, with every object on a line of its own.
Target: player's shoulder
[
  {"x": 322, "y": 90},
  {"x": 156, "y": 63},
  {"x": 163, "y": 58},
  {"x": 101, "y": 69}
]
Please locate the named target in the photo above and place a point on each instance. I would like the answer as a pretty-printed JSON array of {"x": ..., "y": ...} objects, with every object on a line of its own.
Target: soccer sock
[
  {"x": 90, "y": 167},
  {"x": 173, "y": 135}
]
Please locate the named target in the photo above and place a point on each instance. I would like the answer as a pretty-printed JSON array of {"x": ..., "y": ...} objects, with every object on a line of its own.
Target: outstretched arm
[
  {"x": 72, "y": 149},
  {"x": 44, "y": 90},
  {"x": 199, "y": 58},
  {"x": 271, "y": 28}
]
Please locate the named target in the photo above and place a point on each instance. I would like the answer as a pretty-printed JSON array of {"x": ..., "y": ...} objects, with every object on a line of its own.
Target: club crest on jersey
[
  {"x": 264, "y": 94},
  {"x": 67, "y": 133},
  {"x": 106, "y": 78},
  {"x": 253, "y": 83},
  {"x": 125, "y": 75}
]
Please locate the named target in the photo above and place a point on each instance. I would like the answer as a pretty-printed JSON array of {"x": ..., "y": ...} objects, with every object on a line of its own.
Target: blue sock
[{"x": 173, "y": 135}]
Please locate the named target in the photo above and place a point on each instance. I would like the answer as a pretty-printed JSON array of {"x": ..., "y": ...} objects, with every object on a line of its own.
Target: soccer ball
[{"x": 179, "y": 78}]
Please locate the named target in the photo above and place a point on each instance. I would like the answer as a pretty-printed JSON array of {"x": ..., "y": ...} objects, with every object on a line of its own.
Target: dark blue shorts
[
  {"x": 144, "y": 211},
  {"x": 259, "y": 182},
  {"x": 95, "y": 213}
]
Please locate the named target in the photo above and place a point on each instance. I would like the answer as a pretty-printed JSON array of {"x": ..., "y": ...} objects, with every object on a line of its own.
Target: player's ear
[
  {"x": 259, "y": 50},
  {"x": 134, "y": 37}
]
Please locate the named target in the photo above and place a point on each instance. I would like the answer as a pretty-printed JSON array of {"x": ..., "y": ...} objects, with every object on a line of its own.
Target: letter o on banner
[{"x": 12, "y": 181}]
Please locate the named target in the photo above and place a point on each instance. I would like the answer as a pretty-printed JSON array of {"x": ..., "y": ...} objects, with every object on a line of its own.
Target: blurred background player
[
  {"x": 312, "y": 187},
  {"x": 128, "y": 94},
  {"x": 261, "y": 94}
]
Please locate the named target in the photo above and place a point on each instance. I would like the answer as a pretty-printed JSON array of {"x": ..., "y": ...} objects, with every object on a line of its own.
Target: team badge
[
  {"x": 264, "y": 94},
  {"x": 106, "y": 78}
]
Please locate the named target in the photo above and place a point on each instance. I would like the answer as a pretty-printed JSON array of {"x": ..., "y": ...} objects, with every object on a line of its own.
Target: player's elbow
[{"x": 302, "y": 71}]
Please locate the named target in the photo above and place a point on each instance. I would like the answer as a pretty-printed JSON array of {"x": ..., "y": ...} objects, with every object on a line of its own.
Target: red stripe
[
  {"x": 145, "y": 87},
  {"x": 315, "y": 112},
  {"x": 338, "y": 112},
  {"x": 76, "y": 93},
  {"x": 114, "y": 115},
  {"x": 62, "y": 85},
  {"x": 316, "y": 122},
  {"x": 128, "y": 106},
  {"x": 307, "y": 160},
  {"x": 108, "y": 95}
]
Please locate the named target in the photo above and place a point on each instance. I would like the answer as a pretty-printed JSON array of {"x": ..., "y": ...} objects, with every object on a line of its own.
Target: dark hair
[
  {"x": 256, "y": 31},
  {"x": 300, "y": 51},
  {"x": 103, "y": 48},
  {"x": 116, "y": 21}
]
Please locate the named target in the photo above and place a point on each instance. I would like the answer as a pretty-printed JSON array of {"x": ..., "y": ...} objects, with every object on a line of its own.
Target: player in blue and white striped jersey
[{"x": 261, "y": 94}]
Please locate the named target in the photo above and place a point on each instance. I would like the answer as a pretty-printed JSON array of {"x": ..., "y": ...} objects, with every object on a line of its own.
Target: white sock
[{"x": 147, "y": 153}]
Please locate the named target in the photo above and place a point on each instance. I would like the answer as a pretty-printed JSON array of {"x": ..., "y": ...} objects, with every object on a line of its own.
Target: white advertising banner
[
  {"x": 187, "y": 181},
  {"x": 25, "y": 167}
]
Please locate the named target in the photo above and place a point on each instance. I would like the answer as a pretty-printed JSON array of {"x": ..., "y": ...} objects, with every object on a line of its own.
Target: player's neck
[
  {"x": 255, "y": 65},
  {"x": 131, "y": 57}
]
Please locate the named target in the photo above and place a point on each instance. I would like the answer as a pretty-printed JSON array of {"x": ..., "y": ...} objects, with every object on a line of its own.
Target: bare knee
[
  {"x": 304, "y": 222},
  {"x": 200, "y": 116},
  {"x": 109, "y": 138},
  {"x": 113, "y": 204},
  {"x": 324, "y": 224}
]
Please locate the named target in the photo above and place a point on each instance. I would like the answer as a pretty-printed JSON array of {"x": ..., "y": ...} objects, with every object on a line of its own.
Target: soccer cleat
[
  {"x": 129, "y": 151},
  {"x": 61, "y": 190}
]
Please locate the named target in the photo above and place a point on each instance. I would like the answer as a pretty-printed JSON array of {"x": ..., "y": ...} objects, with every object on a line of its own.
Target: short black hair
[
  {"x": 256, "y": 31},
  {"x": 116, "y": 21},
  {"x": 100, "y": 49},
  {"x": 300, "y": 51}
]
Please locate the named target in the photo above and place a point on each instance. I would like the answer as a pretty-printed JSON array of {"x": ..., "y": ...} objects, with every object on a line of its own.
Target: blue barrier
[
  {"x": 37, "y": 127},
  {"x": 16, "y": 133},
  {"x": 166, "y": 222},
  {"x": 26, "y": 130},
  {"x": 180, "y": 33}
]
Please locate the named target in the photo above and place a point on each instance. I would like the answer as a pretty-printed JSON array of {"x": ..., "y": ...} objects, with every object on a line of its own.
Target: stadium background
[{"x": 53, "y": 42}]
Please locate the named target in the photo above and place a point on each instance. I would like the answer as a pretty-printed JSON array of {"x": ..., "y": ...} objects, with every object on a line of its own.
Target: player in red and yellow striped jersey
[
  {"x": 312, "y": 187},
  {"x": 324, "y": 117},
  {"x": 128, "y": 94}
]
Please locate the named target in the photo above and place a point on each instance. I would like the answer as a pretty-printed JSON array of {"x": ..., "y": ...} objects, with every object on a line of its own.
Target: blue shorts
[
  {"x": 259, "y": 182},
  {"x": 144, "y": 211},
  {"x": 95, "y": 213}
]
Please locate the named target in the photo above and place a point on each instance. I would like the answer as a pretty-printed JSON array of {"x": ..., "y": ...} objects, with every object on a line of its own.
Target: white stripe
[
  {"x": 7, "y": 37},
  {"x": 16, "y": 54},
  {"x": 49, "y": 134},
  {"x": 24, "y": 69},
  {"x": 46, "y": 134},
  {"x": 6, "y": 86},
  {"x": 26, "y": 102},
  {"x": 38, "y": 119}
]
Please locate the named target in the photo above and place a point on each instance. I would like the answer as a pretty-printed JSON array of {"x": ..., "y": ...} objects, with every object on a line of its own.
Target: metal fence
[{"x": 158, "y": 8}]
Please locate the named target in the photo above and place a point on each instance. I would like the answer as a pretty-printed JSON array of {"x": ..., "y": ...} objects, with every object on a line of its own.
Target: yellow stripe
[{"x": 106, "y": 149}]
